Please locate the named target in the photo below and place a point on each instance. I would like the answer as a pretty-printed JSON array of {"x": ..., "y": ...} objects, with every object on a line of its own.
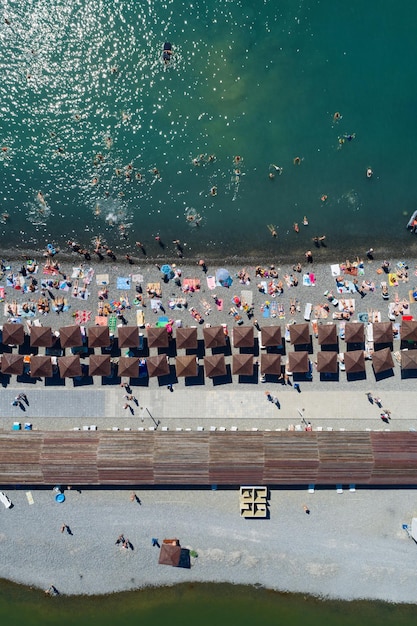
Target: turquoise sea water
[
  {"x": 186, "y": 605},
  {"x": 84, "y": 93}
]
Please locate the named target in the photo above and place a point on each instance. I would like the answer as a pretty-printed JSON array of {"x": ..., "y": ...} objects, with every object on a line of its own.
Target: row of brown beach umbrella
[
  {"x": 214, "y": 365},
  {"x": 214, "y": 336}
]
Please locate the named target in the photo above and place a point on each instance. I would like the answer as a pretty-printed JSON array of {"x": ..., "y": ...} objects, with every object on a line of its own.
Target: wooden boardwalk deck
[{"x": 195, "y": 458}]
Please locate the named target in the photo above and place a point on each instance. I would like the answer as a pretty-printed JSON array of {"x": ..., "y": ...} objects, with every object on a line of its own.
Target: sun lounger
[{"x": 307, "y": 311}]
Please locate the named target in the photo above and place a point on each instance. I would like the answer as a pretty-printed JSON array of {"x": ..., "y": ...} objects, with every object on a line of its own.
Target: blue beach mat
[{"x": 123, "y": 283}]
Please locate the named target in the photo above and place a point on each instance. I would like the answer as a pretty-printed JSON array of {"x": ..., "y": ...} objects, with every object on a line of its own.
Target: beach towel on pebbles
[
  {"x": 102, "y": 280},
  {"x": 82, "y": 317},
  {"x": 156, "y": 305},
  {"x": 137, "y": 278},
  {"x": 247, "y": 296},
  {"x": 123, "y": 283},
  {"x": 309, "y": 280},
  {"x": 335, "y": 269}
]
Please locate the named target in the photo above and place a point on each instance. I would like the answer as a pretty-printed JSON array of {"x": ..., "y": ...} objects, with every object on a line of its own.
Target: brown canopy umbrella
[
  {"x": 355, "y": 332},
  {"x": 40, "y": 367},
  {"x": 354, "y": 361},
  {"x": 69, "y": 366},
  {"x": 242, "y": 364},
  {"x": 382, "y": 360},
  {"x": 299, "y": 334},
  {"x": 298, "y": 362},
  {"x": 409, "y": 359},
  {"x": 186, "y": 365},
  {"x": 99, "y": 365},
  {"x": 128, "y": 366},
  {"x": 382, "y": 332},
  {"x": 327, "y": 362},
  {"x": 243, "y": 337},
  {"x": 12, "y": 363},
  {"x": 98, "y": 337},
  {"x": 41, "y": 337},
  {"x": 70, "y": 336},
  {"x": 271, "y": 336},
  {"x": 169, "y": 555},
  {"x": 214, "y": 337},
  {"x": 327, "y": 334},
  {"x": 128, "y": 336},
  {"x": 215, "y": 365},
  {"x": 13, "y": 334},
  {"x": 186, "y": 338},
  {"x": 158, "y": 338},
  {"x": 157, "y": 365},
  {"x": 270, "y": 364},
  {"x": 408, "y": 331}
]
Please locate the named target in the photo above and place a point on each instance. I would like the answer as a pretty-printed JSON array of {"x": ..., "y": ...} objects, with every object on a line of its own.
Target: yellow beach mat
[
  {"x": 29, "y": 497},
  {"x": 392, "y": 280},
  {"x": 140, "y": 318}
]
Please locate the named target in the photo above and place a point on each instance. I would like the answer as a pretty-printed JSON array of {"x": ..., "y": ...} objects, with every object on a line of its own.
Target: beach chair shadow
[
  {"x": 193, "y": 381},
  {"x": 276, "y": 349}
]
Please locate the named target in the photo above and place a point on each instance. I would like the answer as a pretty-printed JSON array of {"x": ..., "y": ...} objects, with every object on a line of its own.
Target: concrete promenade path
[{"x": 65, "y": 408}]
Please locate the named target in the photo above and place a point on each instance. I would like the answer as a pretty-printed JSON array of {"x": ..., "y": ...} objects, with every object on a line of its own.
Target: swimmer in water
[
  {"x": 41, "y": 198},
  {"x": 305, "y": 220},
  {"x": 297, "y": 161},
  {"x": 369, "y": 173},
  {"x": 213, "y": 191},
  {"x": 337, "y": 116},
  {"x": 109, "y": 142},
  {"x": 211, "y": 158},
  {"x": 97, "y": 209},
  {"x": 138, "y": 176},
  {"x": 237, "y": 159},
  {"x": 94, "y": 181},
  {"x": 272, "y": 230},
  {"x": 155, "y": 172},
  {"x": 296, "y": 227},
  {"x": 277, "y": 168}
]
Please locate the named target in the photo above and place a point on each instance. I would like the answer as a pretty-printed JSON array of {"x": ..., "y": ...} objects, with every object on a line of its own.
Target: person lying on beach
[
  {"x": 196, "y": 315},
  {"x": 341, "y": 315}
]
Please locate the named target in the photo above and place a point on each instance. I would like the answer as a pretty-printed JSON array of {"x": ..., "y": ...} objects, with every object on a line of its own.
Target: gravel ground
[{"x": 349, "y": 546}]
